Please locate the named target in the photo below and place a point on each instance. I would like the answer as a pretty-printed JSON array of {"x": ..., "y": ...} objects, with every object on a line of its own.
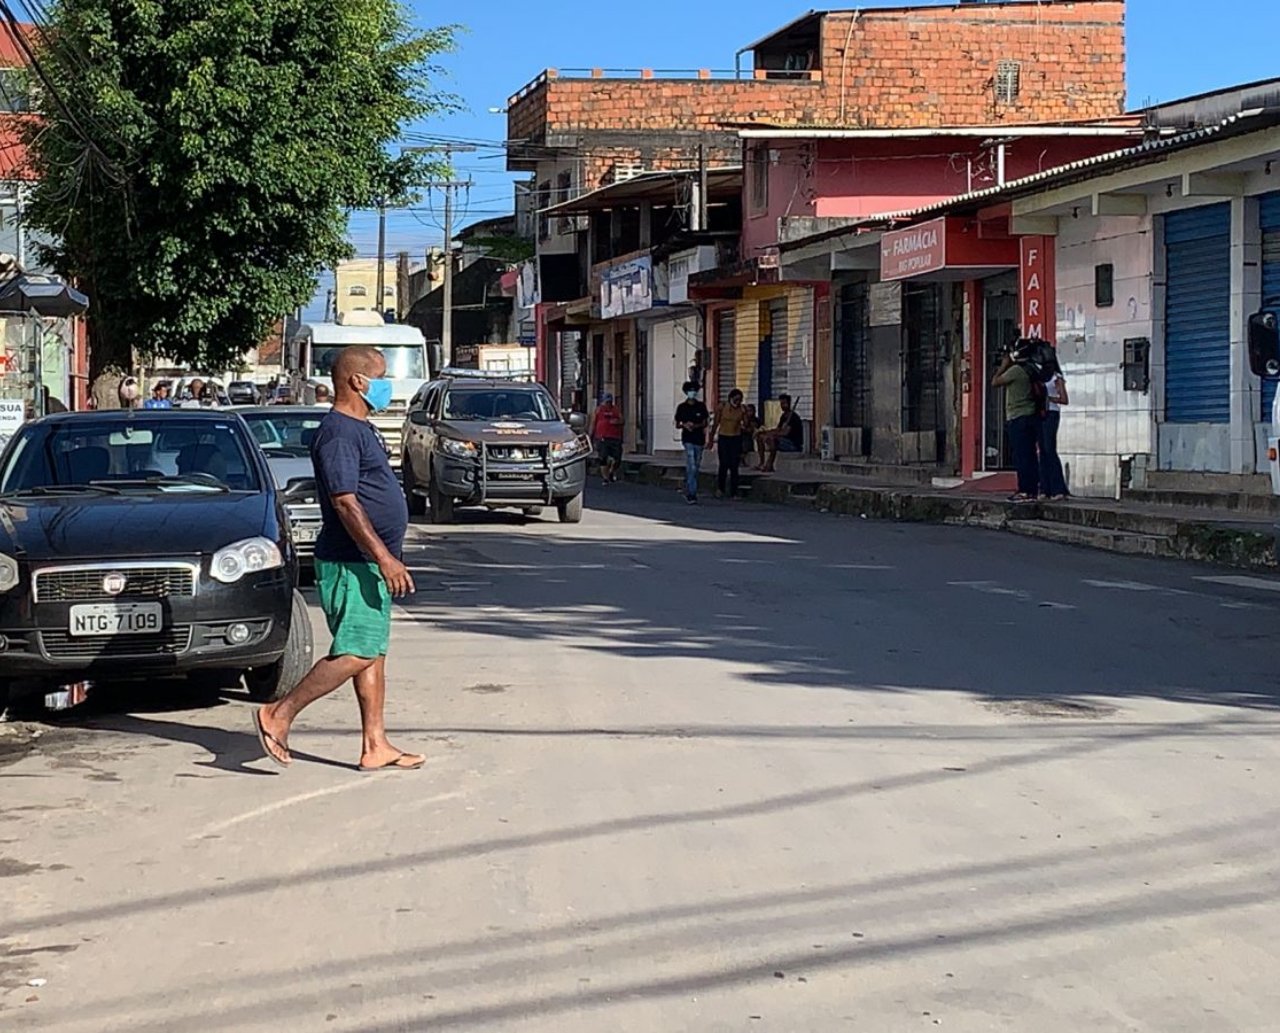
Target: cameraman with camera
[{"x": 1024, "y": 407}]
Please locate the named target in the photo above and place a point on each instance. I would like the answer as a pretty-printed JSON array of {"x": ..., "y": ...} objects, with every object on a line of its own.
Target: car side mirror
[
  {"x": 578, "y": 422},
  {"x": 420, "y": 418},
  {"x": 1264, "y": 344}
]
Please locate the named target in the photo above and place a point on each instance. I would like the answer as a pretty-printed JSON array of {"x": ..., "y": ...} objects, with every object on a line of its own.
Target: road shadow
[{"x": 819, "y": 603}]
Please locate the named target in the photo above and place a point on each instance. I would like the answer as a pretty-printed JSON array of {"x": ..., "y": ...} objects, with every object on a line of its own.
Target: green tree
[{"x": 197, "y": 161}]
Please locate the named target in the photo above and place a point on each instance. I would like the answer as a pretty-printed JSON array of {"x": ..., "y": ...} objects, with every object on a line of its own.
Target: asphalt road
[{"x": 716, "y": 769}]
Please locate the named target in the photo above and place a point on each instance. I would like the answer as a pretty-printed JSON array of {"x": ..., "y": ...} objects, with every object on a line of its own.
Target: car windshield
[
  {"x": 503, "y": 403},
  {"x": 164, "y": 452},
  {"x": 284, "y": 433},
  {"x": 404, "y": 362}
]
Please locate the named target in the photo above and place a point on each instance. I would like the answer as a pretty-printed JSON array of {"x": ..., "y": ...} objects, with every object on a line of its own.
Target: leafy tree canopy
[{"x": 196, "y": 161}]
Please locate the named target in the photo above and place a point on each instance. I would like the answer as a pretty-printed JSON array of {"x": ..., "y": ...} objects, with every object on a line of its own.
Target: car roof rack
[{"x": 451, "y": 373}]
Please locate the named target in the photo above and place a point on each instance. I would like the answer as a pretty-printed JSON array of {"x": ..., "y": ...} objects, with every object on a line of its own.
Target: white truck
[{"x": 313, "y": 350}]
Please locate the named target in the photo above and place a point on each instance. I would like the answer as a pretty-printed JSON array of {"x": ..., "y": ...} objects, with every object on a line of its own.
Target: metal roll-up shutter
[
  {"x": 726, "y": 353},
  {"x": 1198, "y": 315},
  {"x": 1270, "y": 207},
  {"x": 779, "y": 337}
]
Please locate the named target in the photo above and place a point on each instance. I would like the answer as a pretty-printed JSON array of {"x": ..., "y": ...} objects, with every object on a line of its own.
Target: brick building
[{"x": 892, "y": 79}]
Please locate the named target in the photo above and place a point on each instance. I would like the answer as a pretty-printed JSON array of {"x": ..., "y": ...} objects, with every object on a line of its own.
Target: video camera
[{"x": 1037, "y": 355}]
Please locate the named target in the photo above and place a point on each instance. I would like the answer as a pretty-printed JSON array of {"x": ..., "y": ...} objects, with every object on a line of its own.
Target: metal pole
[
  {"x": 382, "y": 256},
  {"x": 704, "y": 209},
  {"x": 446, "y": 328},
  {"x": 21, "y": 228}
]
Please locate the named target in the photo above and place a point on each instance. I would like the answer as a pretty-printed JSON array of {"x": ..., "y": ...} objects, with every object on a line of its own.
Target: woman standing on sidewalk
[
  {"x": 1053, "y": 481},
  {"x": 726, "y": 434}
]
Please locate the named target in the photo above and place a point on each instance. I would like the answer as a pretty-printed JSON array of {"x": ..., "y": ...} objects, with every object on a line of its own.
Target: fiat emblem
[{"x": 114, "y": 584}]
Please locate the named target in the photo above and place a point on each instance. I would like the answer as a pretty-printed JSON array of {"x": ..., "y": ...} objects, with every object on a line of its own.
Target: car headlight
[
  {"x": 8, "y": 573},
  {"x": 457, "y": 449},
  {"x": 569, "y": 449},
  {"x": 247, "y": 557}
]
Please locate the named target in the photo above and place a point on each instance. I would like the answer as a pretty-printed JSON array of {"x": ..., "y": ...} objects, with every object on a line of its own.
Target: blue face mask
[{"x": 378, "y": 396}]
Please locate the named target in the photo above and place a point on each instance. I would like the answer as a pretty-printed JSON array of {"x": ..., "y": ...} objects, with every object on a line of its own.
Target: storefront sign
[
  {"x": 1035, "y": 287},
  {"x": 12, "y": 413},
  {"x": 914, "y": 251},
  {"x": 626, "y": 288}
]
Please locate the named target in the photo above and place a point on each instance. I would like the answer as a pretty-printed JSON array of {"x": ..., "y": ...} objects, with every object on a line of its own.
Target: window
[
  {"x": 15, "y": 90},
  {"x": 388, "y": 292},
  {"x": 1008, "y": 82},
  {"x": 357, "y": 290},
  {"x": 1104, "y": 291},
  {"x": 759, "y": 163}
]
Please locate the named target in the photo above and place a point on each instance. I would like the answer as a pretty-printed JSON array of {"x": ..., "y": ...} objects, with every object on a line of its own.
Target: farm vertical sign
[{"x": 1036, "y": 287}]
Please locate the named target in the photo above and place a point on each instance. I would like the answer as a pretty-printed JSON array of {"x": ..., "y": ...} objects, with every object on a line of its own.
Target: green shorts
[{"x": 357, "y": 606}]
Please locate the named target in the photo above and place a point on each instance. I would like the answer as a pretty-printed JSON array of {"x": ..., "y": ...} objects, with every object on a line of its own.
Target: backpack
[{"x": 1039, "y": 391}]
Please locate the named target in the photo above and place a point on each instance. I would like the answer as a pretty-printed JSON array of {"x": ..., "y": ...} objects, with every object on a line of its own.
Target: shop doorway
[
  {"x": 923, "y": 355},
  {"x": 853, "y": 374},
  {"x": 642, "y": 391},
  {"x": 1000, "y": 305}
]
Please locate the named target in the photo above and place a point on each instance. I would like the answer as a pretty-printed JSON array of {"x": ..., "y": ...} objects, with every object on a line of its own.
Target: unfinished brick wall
[
  {"x": 938, "y": 65},
  {"x": 881, "y": 68}
]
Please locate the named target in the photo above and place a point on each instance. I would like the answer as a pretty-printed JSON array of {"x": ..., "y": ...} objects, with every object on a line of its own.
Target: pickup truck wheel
[
  {"x": 417, "y": 504},
  {"x": 570, "y": 510},
  {"x": 273, "y": 682},
  {"x": 441, "y": 505}
]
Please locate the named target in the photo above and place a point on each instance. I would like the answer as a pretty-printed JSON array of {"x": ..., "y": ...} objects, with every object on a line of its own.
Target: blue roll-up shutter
[
  {"x": 1270, "y": 205},
  {"x": 1198, "y": 315}
]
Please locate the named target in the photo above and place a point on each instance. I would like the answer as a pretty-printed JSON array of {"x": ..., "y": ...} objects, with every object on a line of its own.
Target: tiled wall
[{"x": 1104, "y": 422}]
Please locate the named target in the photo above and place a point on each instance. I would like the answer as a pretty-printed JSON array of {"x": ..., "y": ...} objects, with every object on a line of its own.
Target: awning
[
  {"x": 722, "y": 184},
  {"x": 42, "y": 295}
]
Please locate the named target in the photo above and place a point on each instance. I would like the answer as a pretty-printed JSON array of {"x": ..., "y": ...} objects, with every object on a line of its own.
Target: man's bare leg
[
  {"x": 277, "y": 718},
  {"x": 371, "y": 693}
]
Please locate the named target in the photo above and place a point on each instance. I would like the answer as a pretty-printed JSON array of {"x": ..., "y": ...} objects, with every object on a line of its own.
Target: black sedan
[{"x": 142, "y": 544}]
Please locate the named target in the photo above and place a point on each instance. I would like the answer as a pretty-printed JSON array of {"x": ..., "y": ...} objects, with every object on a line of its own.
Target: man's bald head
[
  {"x": 359, "y": 359},
  {"x": 353, "y": 369}
]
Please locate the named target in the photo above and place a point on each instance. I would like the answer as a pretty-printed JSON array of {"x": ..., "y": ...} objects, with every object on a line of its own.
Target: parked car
[
  {"x": 138, "y": 545},
  {"x": 244, "y": 392},
  {"x": 284, "y": 433},
  {"x": 282, "y": 396},
  {"x": 475, "y": 439}
]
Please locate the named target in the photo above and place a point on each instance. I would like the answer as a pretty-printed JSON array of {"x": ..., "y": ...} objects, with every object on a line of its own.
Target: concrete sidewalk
[{"x": 1233, "y": 537}]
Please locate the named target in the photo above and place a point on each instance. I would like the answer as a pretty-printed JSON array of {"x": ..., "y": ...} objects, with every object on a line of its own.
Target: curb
[{"x": 1096, "y": 526}]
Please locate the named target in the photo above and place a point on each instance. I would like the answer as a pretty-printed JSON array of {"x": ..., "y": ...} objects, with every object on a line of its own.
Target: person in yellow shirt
[{"x": 726, "y": 433}]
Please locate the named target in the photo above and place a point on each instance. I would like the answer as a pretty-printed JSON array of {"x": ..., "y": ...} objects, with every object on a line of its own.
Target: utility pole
[
  {"x": 450, "y": 188},
  {"x": 402, "y": 285},
  {"x": 704, "y": 202}
]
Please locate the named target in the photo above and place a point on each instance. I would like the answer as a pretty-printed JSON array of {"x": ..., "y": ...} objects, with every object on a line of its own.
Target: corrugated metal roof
[{"x": 1237, "y": 125}]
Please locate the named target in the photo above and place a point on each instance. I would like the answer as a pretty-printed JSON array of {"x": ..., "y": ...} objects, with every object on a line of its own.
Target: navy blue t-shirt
[{"x": 350, "y": 459}]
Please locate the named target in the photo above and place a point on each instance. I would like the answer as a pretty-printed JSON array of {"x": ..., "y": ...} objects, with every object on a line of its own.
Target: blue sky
[{"x": 1176, "y": 48}]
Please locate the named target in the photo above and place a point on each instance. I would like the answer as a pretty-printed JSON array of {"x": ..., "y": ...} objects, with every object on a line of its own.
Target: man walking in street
[
  {"x": 357, "y": 562},
  {"x": 606, "y": 431},
  {"x": 692, "y": 418}
]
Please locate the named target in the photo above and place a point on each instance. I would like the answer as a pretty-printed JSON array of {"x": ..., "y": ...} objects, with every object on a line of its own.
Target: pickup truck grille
[
  {"x": 86, "y": 584},
  {"x": 517, "y": 454},
  {"x": 62, "y": 646}
]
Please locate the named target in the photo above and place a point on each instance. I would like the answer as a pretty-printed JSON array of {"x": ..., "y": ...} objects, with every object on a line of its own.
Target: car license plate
[
  {"x": 116, "y": 619},
  {"x": 304, "y": 534},
  {"x": 513, "y": 477}
]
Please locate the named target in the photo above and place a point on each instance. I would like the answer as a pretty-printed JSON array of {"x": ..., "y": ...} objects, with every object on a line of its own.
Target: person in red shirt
[{"x": 606, "y": 430}]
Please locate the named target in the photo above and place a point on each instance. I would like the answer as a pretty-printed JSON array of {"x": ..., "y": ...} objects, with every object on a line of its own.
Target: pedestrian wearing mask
[
  {"x": 726, "y": 435},
  {"x": 358, "y": 564},
  {"x": 692, "y": 418}
]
